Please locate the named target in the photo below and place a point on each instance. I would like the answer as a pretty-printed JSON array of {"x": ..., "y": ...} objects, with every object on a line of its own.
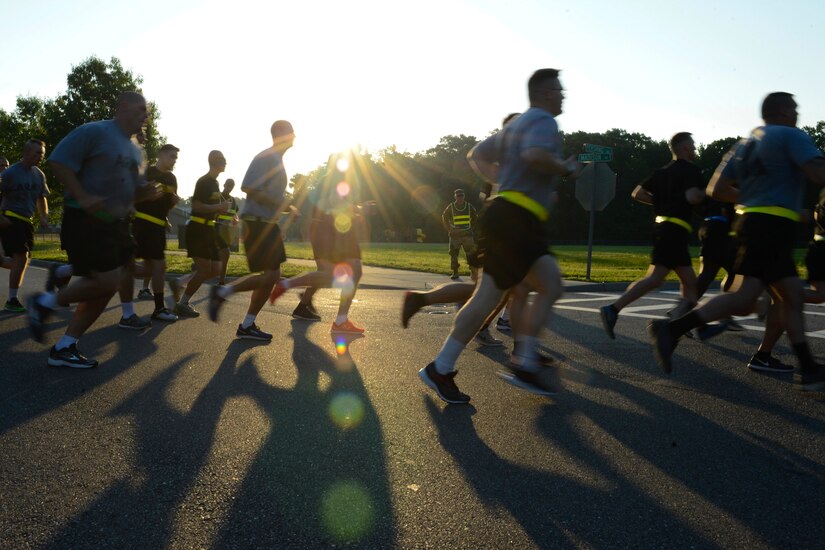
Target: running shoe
[
  {"x": 609, "y": 317},
  {"x": 14, "y": 305},
  {"x": 215, "y": 303},
  {"x": 663, "y": 343},
  {"x": 811, "y": 381},
  {"x": 413, "y": 301},
  {"x": 519, "y": 361},
  {"x": 303, "y": 311},
  {"x": 443, "y": 385},
  {"x": 771, "y": 364},
  {"x": 185, "y": 311},
  {"x": 70, "y": 357},
  {"x": 544, "y": 381},
  {"x": 164, "y": 314},
  {"x": 37, "y": 316},
  {"x": 133, "y": 322},
  {"x": 252, "y": 333},
  {"x": 734, "y": 326},
  {"x": 145, "y": 294},
  {"x": 706, "y": 332},
  {"x": 347, "y": 327},
  {"x": 503, "y": 325},
  {"x": 486, "y": 339},
  {"x": 53, "y": 282}
]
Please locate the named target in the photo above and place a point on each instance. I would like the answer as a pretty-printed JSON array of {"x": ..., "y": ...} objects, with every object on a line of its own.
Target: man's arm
[
  {"x": 642, "y": 195},
  {"x": 43, "y": 210},
  {"x": 482, "y": 164},
  {"x": 722, "y": 188},
  {"x": 89, "y": 203},
  {"x": 695, "y": 195},
  {"x": 199, "y": 206},
  {"x": 814, "y": 170},
  {"x": 546, "y": 162}
]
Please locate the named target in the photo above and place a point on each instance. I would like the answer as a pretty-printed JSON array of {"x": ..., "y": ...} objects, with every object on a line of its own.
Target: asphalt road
[{"x": 186, "y": 438}]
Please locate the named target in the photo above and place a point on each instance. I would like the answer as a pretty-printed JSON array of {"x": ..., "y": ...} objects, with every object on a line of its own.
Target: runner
[{"x": 225, "y": 225}]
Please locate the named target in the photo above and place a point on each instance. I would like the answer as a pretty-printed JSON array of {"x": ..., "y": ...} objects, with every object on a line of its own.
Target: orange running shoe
[{"x": 347, "y": 327}]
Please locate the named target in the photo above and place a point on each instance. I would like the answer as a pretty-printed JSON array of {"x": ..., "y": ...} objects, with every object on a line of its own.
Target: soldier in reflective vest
[
  {"x": 225, "y": 224},
  {"x": 459, "y": 219}
]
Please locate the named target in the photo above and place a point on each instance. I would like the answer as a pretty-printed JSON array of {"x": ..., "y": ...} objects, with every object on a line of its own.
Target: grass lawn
[{"x": 609, "y": 263}]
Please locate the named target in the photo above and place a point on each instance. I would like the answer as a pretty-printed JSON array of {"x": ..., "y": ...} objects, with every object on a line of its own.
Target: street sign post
[{"x": 595, "y": 188}]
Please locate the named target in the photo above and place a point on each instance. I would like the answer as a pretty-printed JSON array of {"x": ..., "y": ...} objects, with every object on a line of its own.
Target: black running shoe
[
  {"x": 544, "y": 381},
  {"x": 303, "y": 311},
  {"x": 811, "y": 381},
  {"x": 163, "y": 314},
  {"x": 771, "y": 364},
  {"x": 185, "y": 311},
  {"x": 133, "y": 322},
  {"x": 37, "y": 316},
  {"x": 145, "y": 294},
  {"x": 253, "y": 333},
  {"x": 609, "y": 317},
  {"x": 413, "y": 301},
  {"x": 663, "y": 343},
  {"x": 70, "y": 357},
  {"x": 14, "y": 306},
  {"x": 215, "y": 303},
  {"x": 443, "y": 385},
  {"x": 734, "y": 326},
  {"x": 503, "y": 325},
  {"x": 706, "y": 332}
]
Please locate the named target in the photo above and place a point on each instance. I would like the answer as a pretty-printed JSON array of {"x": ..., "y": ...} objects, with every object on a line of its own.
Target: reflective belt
[
  {"x": 100, "y": 214},
  {"x": 819, "y": 237},
  {"x": 16, "y": 215},
  {"x": 225, "y": 217},
  {"x": 677, "y": 221},
  {"x": 152, "y": 219},
  {"x": 204, "y": 221},
  {"x": 716, "y": 219},
  {"x": 258, "y": 219},
  {"x": 778, "y": 211},
  {"x": 520, "y": 199},
  {"x": 168, "y": 189}
]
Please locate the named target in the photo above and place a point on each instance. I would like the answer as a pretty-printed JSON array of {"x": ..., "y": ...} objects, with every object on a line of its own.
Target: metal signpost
[{"x": 595, "y": 187}]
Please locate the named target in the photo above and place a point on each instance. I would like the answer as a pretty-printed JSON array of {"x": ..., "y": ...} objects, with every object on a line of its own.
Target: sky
[{"x": 370, "y": 74}]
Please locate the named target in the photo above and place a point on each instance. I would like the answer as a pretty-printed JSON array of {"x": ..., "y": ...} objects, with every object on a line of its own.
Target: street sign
[
  {"x": 603, "y": 179},
  {"x": 596, "y": 157},
  {"x": 590, "y": 148}
]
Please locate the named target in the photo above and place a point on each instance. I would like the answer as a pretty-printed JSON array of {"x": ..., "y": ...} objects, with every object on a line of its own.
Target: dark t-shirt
[
  {"x": 819, "y": 215},
  {"x": 668, "y": 185},
  {"x": 207, "y": 191},
  {"x": 159, "y": 208}
]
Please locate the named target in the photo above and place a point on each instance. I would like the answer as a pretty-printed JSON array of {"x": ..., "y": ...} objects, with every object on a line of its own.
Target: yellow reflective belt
[
  {"x": 149, "y": 218},
  {"x": 677, "y": 221},
  {"x": 520, "y": 199},
  {"x": 204, "y": 221},
  {"x": 819, "y": 237},
  {"x": 168, "y": 189},
  {"x": 225, "y": 217},
  {"x": 731, "y": 233},
  {"x": 16, "y": 215},
  {"x": 258, "y": 219},
  {"x": 779, "y": 211}
]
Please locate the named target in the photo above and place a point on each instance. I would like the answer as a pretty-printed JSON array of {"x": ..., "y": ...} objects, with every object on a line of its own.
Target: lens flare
[
  {"x": 427, "y": 199},
  {"x": 346, "y": 410},
  {"x": 343, "y": 222},
  {"x": 342, "y": 165},
  {"x": 347, "y": 511},
  {"x": 343, "y": 189},
  {"x": 341, "y": 347}
]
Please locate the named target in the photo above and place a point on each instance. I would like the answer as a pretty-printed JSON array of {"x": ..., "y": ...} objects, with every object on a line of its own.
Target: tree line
[{"x": 410, "y": 189}]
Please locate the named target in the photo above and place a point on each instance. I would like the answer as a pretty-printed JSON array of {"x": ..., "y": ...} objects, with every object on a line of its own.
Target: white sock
[
  {"x": 48, "y": 299},
  {"x": 128, "y": 309},
  {"x": 341, "y": 319},
  {"x": 184, "y": 300},
  {"x": 13, "y": 293},
  {"x": 224, "y": 291},
  {"x": 525, "y": 346},
  {"x": 64, "y": 342},
  {"x": 64, "y": 270},
  {"x": 248, "y": 321},
  {"x": 446, "y": 358}
]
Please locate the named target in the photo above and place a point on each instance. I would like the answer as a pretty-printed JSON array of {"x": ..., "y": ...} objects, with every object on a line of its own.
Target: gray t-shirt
[
  {"x": 767, "y": 166},
  {"x": 266, "y": 174},
  {"x": 106, "y": 161},
  {"x": 21, "y": 187},
  {"x": 535, "y": 128}
]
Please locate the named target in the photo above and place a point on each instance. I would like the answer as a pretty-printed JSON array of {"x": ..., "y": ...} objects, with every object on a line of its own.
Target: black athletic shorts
[
  {"x": 18, "y": 238},
  {"x": 765, "y": 247},
  {"x": 670, "y": 246},
  {"x": 150, "y": 238},
  {"x": 512, "y": 239},
  {"x": 815, "y": 261},
  {"x": 331, "y": 245},
  {"x": 717, "y": 245},
  {"x": 264, "y": 245},
  {"x": 94, "y": 245},
  {"x": 201, "y": 241}
]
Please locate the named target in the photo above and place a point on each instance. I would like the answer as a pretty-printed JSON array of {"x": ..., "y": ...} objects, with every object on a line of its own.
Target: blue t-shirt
[
  {"x": 534, "y": 128},
  {"x": 767, "y": 166},
  {"x": 266, "y": 173},
  {"x": 21, "y": 187},
  {"x": 106, "y": 161}
]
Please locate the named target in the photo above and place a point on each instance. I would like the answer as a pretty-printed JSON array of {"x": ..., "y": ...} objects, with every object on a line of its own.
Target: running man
[
  {"x": 264, "y": 184},
  {"x": 672, "y": 191},
  {"x": 201, "y": 236},
  {"x": 225, "y": 224},
  {"x": 24, "y": 191},
  {"x": 765, "y": 174},
  {"x": 525, "y": 159},
  {"x": 101, "y": 169}
]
